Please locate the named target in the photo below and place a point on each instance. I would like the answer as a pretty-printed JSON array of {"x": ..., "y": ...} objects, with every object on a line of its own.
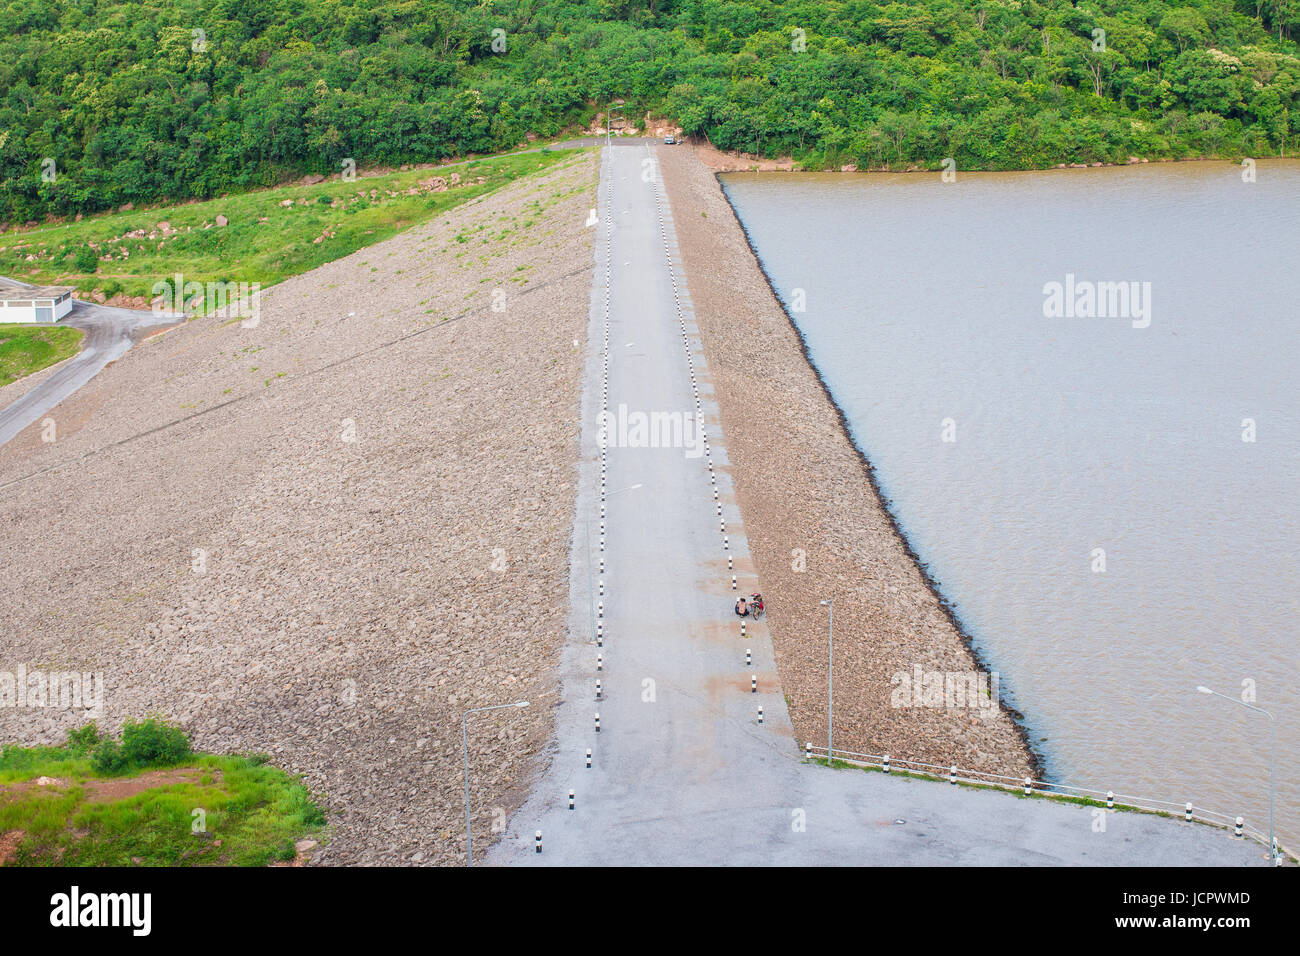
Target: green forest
[{"x": 108, "y": 102}]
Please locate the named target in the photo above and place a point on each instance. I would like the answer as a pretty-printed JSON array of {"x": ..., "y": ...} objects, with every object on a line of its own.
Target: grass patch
[
  {"x": 264, "y": 241},
  {"x": 147, "y": 800},
  {"x": 29, "y": 348}
]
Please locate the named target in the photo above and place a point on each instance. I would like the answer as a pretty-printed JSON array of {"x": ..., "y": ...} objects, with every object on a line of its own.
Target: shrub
[
  {"x": 107, "y": 757},
  {"x": 149, "y": 743},
  {"x": 82, "y": 739},
  {"x": 154, "y": 742},
  {"x": 86, "y": 260}
]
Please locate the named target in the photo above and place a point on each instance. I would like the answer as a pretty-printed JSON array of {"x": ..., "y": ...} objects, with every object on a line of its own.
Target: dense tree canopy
[{"x": 144, "y": 100}]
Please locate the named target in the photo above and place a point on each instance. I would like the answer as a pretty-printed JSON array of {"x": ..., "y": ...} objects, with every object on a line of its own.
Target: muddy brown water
[{"x": 1084, "y": 486}]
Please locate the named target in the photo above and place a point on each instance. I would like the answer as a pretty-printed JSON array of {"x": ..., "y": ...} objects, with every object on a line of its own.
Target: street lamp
[
  {"x": 1272, "y": 769},
  {"x": 830, "y": 676},
  {"x": 591, "y": 591},
  {"x": 464, "y": 743}
]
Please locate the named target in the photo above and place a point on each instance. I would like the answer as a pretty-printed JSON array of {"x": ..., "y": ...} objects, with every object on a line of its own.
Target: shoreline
[
  {"x": 906, "y": 607},
  {"x": 1037, "y": 760},
  {"x": 731, "y": 161}
]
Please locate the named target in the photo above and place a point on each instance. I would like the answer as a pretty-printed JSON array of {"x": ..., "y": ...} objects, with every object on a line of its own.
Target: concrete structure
[
  {"x": 34, "y": 305},
  {"x": 669, "y": 759}
]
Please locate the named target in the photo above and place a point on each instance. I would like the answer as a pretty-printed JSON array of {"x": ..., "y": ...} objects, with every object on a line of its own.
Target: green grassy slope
[
  {"x": 271, "y": 233},
  {"x": 29, "y": 348}
]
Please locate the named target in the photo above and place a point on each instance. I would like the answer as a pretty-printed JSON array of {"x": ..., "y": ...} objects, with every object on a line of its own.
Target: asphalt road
[
  {"x": 682, "y": 772},
  {"x": 109, "y": 333}
]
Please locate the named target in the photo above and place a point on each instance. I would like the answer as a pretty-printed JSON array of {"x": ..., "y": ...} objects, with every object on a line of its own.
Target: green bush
[
  {"x": 149, "y": 743},
  {"x": 154, "y": 742},
  {"x": 86, "y": 260},
  {"x": 82, "y": 739},
  {"x": 107, "y": 757}
]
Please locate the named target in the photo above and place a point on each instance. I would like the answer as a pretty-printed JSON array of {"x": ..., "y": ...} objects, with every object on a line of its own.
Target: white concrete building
[{"x": 32, "y": 305}]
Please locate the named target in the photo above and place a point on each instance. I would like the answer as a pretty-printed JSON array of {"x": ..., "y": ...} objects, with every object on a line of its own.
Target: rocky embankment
[
  {"x": 816, "y": 525},
  {"x": 326, "y": 536}
]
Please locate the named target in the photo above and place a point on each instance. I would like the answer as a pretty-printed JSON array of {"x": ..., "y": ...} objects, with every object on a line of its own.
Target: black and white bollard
[
  {"x": 1110, "y": 799},
  {"x": 571, "y": 799},
  {"x": 600, "y": 662},
  {"x": 753, "y": 684},
  {"x": 1236, "y": 830},
  {"x": 733, "y": 582},
  {"x": 726, "y": 544},
  {"x": 742, "y": 627},
  {"x": 598, "y": 690},
  {"x": 588, "y": 758},
  {"x": 729, "y": 567},
  {"x": 1027, "y": 786},
  {"x": 1188, "y": 817},
  {"x": 807, "y": 750},
  {"x": 952, "y": 775},
  {"x": 749, "y": 658},
  {"x": 538, "y": 841},
  {"x": 760, "y": 713},
  {"x": 885, "y": 763},
  {"x": 597, "y": 721}
]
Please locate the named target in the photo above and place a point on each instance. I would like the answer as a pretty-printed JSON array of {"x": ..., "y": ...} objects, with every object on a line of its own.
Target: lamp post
[
  {"x": 1272, "y": 768},
  {"x": 830, "y": 675},
  {"x": 464, "y": 743},
  {"x": 609, "y": 117}
]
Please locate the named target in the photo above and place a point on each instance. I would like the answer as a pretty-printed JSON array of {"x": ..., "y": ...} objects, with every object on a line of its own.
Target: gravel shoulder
[
  {"x": 326, "y": 537},
  {"x": 817, "y": 526}
]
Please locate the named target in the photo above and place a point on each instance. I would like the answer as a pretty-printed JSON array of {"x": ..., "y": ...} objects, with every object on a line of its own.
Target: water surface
[{"x": 925, "y": 311}]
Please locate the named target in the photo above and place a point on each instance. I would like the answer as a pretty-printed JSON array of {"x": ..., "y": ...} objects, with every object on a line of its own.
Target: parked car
[{"x": 669, "y": 141}]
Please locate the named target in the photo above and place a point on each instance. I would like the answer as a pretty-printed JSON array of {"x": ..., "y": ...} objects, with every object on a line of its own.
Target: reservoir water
[{"x": 1108, "y": 492}]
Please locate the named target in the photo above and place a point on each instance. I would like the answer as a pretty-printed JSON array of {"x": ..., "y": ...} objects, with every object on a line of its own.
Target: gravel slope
[{"x": 358, "y": 595}]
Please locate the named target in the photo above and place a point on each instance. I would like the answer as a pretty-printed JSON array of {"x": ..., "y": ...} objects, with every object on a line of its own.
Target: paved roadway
[
  {"x": 682, "y": 771},
  {"x": 109, "y": 333}
]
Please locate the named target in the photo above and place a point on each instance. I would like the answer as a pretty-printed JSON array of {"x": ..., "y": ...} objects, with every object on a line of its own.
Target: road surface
[
  {"x": 109, "y": 333},
  {"x": 682, "y": 771}
]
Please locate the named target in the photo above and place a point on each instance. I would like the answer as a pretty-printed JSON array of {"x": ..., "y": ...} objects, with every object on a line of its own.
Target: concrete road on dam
[{"x": 682, "y": 771}]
